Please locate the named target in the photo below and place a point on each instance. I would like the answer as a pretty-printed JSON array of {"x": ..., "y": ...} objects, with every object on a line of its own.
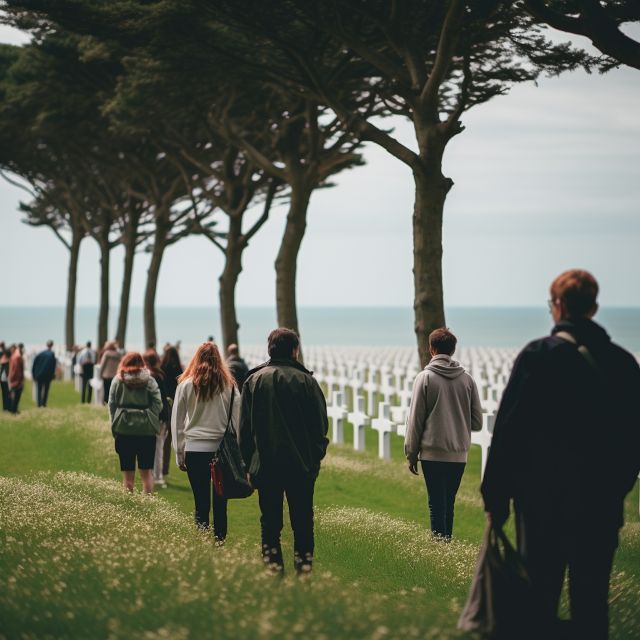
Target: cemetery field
[{"x": 81, "y": 559}]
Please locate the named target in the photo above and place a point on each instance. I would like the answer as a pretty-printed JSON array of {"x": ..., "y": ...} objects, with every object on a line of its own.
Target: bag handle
[
  {"x": 582, "y": 349},
  {"x": 233, "y": 393}
]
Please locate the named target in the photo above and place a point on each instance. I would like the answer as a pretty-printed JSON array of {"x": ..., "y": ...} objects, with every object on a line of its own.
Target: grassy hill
[{"x": 80, "y": 558}]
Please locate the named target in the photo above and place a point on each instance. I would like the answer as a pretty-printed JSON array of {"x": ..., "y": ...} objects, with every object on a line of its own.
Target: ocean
[{"x": 358, "y": 326}]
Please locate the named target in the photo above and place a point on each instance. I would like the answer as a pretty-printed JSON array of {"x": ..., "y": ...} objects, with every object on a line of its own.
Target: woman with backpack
[
  {"x": 135, "y": 404},
  {"x": 206, "y": 402}
]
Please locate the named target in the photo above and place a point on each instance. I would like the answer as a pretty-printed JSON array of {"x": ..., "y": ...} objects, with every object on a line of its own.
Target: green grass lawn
[{"x": 80, "y": 558}]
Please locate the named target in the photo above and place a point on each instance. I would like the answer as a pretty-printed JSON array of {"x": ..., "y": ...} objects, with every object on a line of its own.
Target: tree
[
  {"x": 598, "y": 21},
  {"x": 305, "y": 147},
  {"x": 425, "y": 60},
  {"x": 26, "y": 155}
]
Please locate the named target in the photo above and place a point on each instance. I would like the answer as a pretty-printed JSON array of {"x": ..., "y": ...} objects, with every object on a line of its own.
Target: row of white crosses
[{"x": 372, "y": 387}]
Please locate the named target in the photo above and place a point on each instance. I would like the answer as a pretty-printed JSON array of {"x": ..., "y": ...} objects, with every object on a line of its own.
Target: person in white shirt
[
  {"x": 201, "y": 411},
  {"x": 86, "y": 361}
]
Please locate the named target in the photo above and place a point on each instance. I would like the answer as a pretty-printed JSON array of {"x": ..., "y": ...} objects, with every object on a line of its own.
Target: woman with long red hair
[
  {"x": 135, "y": 405},
  {"x": 206, "y": 399}
]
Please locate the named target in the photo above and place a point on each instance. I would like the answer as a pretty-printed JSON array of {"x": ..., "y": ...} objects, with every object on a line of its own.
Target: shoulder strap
[
  {"x": 233, "y": 393},
  {"x": 582, "y": 349}
]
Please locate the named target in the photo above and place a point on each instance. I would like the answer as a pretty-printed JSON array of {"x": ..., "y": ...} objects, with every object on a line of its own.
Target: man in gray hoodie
[{"x": 445, "y": 408}]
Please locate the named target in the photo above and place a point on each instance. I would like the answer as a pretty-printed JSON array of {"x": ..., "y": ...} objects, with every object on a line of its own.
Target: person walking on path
[
  {"x": 237, "y": 365},
  {"x": 5, "y": 357},
  {"x": 445, "y": 408},
  {"x": 109, "y": 366},
  {"x": 16, "y": 378},
  {"x": 205, "y": 400},
  {"x": 283, "y": 438},
  {"x": 134, "y": 406},
  {"x": 171, "y": 370},
  {"x": 43, "y": 371},
  {"x": 566, "y": 451},
  {"x": 87, "y": 360},
  {"x": 152, "y": 362}
]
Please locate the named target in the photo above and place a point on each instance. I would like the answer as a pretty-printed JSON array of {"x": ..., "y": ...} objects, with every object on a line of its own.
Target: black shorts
[{"x": 131, "y": 447}]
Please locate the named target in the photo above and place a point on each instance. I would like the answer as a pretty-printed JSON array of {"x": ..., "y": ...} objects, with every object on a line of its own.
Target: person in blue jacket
[{"x": 43, "y": 371}]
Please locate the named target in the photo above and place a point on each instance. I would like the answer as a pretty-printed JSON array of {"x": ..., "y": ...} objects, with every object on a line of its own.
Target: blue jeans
[{"x": 442, "y": 480}]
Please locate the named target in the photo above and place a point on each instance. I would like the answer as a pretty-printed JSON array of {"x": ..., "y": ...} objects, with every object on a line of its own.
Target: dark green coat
[
  {"x": 135, "y": 406},
  {"x": 283, "y": 421}
]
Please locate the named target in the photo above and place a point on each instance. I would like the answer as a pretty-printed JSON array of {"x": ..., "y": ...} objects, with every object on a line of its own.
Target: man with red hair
[{"x": 566, "y": 450}]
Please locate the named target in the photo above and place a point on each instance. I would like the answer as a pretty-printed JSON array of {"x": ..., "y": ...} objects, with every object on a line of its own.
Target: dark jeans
[
  {"x": 548, "y": 552},
  {"x": 15, "y": 399},
  {"x": 199, "y": 474},
  {"x": 42, "y": 392},
  {"x": 166, "y": 452},
  {"x": 107, "y": 387},
  {"x": 6, "y": 396},
  {"x": 299, "y": 492},
  {"x": 442, "y": 480},
  {"x": 87, "y": 374}
]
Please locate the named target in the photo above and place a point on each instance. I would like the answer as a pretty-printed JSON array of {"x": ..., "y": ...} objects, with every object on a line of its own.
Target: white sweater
[{"x": 198, "y": 425}]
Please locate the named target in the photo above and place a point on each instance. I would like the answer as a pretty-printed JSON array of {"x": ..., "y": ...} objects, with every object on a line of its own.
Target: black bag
[
  {"x": 228, "y": 471},
  {"x": 501, "y": 602}
]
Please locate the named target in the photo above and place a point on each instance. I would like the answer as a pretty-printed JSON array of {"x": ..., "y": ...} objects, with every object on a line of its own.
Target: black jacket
[
  {"x": 566, "y": 441},
  {"x": 239, "y": 370},
  {"x": 283, "y": 421}
]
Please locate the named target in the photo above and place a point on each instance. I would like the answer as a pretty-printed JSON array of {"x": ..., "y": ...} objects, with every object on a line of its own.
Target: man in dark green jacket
[{"x": 283, "y": 438}]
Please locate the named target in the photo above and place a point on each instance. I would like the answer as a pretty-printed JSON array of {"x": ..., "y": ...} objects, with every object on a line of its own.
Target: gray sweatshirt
[{"x": 445, "y": 408}]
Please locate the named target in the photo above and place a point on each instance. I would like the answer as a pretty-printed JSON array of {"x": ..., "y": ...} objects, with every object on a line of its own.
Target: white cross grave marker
[
  {"x": 383, "y": 425},
  {"x": 359, "y": 419}
]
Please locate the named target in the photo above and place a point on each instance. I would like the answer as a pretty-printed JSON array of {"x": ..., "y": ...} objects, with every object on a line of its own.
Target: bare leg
[
  {"x": 146, "y": 476},
  {"x": 128, "y": 479}
]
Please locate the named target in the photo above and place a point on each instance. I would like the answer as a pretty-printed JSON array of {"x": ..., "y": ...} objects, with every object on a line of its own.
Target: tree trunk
[
  {"x": 431, "y": 191},
  {"x": 287, "y": 259},
  {"x": 228, "y": 281},
  {"x": 153, "y": 273},
  {"x": 129, "y": 255},
  {"x": 103, "y": 315},
  {"x": 70, "y": 319}
]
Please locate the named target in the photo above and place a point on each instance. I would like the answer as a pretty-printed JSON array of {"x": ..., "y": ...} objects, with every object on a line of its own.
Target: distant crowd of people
[{"x": 12, "y": 377}]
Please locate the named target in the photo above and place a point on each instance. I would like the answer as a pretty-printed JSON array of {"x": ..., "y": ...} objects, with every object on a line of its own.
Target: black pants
[
  {"x": 42, "y": 392},
  {"x": 548, "y": 552},
  {"x": 299, "y": 492},
  {"x": 87, "y": 374},
  {"x": 442, "y": 480},
  {"x": 15, "y": 399},
  {"x": 6, "y": 396},
  {"x": 106, "y": 382},
  {"x": 199, "y": 474}
]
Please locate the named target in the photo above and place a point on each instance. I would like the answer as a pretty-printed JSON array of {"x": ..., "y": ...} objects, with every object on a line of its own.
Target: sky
[{"x": 546, "y": 178}]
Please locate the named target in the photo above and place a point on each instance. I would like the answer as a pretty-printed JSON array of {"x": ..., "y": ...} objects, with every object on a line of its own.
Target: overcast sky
[{"x": 546, "y": 178}]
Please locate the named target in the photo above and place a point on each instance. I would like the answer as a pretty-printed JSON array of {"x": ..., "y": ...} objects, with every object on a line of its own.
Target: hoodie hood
[
  {"x": 138, "y": 379},
  {"x": 445, "y": 366}
]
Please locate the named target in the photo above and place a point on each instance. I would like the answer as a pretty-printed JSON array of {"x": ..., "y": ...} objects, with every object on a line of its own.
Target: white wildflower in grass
[{"x": 82, "y": 558}]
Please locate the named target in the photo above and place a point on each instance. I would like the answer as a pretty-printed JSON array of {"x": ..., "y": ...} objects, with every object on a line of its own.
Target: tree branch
[
  {"x": 273, "y": 186},
  {"x": 446, "y": 46}
]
